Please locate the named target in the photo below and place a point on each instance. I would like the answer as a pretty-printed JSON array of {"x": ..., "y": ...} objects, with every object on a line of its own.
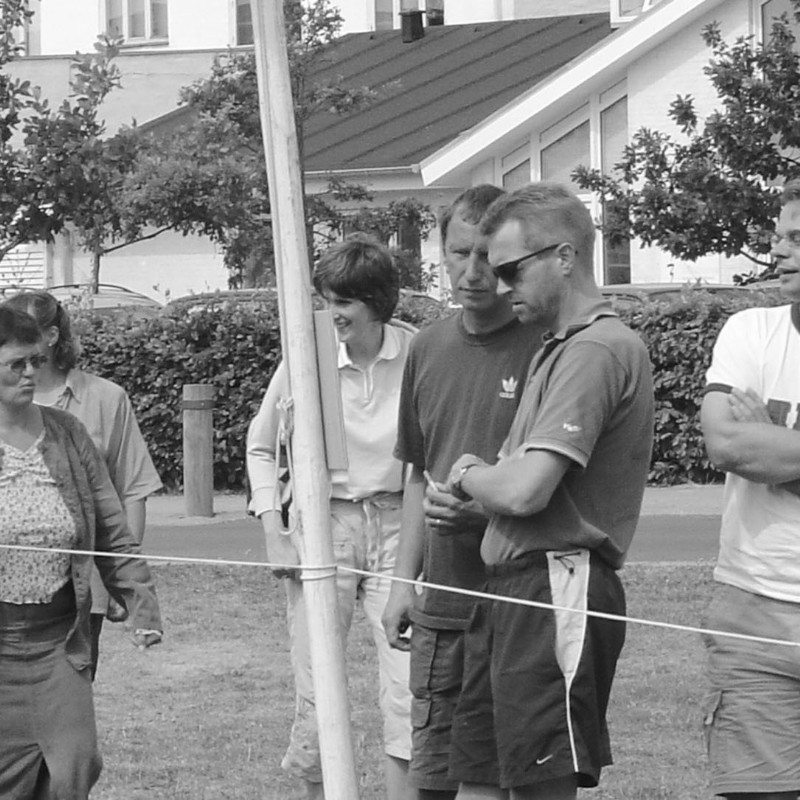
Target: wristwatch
[{"x": 458, "y": 491}]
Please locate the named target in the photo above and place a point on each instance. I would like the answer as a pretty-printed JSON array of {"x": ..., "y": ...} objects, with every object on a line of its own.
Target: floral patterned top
[{"x": 32, "y": 512}]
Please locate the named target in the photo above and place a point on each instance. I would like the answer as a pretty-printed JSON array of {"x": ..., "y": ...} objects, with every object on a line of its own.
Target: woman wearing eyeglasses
[
  {"x": 106, "y": 411},
  {"x": 55, "y": 494}
]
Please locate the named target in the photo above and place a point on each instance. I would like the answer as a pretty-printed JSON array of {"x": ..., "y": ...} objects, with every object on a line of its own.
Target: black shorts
[{"x": 537, "y": 681}]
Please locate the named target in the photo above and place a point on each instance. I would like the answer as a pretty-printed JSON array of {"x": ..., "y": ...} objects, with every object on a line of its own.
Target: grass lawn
[{"x": 205, "y": 716}]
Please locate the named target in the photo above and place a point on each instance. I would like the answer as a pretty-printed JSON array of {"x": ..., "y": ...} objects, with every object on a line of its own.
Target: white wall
[
  {"x": 359, "y": 15},
  {"x": 73, "y": 25},
  {"x": 676, "y": 67},
  {"x": 166, "y": 267},
  {"x": 68, "y": 26},
  {"x": 201, "y": 23}
]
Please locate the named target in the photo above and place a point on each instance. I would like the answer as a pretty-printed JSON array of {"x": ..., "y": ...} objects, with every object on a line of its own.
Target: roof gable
[
  {"x": 567, "y": 86},
  {"x": 432, "y": 90}
]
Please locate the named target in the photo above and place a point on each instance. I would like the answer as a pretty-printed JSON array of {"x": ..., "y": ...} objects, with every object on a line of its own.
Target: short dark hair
[
  {"x": 17, "y": 326},
  {"x": 548, "y": 205},
  {"x": 360, "y": 268},
  {"x": 48, "y": 312},
  {"x": 470, "y": 205},
  {"x": 791, "y": 191}
]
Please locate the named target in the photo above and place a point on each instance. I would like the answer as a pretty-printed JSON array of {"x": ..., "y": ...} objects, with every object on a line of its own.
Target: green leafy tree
[
  {"x": 210, "y": 176},
  {"x": 83, "y": 167},
  {"x": 711, "y": 190},
  {"x": 45, "y": 152},
  {"x": 57, "y": 166}
]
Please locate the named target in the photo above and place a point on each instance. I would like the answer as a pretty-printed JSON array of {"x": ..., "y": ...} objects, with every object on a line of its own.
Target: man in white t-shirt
[{"x": 751, "y": 424}]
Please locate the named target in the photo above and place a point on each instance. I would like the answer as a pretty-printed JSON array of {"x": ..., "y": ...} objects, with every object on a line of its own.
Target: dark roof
[{"x": 433, "y": 89}]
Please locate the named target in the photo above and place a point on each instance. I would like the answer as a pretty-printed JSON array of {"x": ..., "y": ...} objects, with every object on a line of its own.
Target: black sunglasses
[
  {"x": 17, "y": 366},
  {"x": 508, "y": 270}
]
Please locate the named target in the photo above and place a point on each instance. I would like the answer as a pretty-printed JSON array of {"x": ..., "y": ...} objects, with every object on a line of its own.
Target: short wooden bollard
[{"x": 198, "y": 449}]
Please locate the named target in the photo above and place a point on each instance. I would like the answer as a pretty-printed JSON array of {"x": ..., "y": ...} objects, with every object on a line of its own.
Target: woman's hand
[{"x": 280, "y": 548}]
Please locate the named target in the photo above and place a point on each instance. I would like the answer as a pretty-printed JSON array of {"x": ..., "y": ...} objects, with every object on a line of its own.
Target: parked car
[
  {"x": 110, "y": 300},
  {"x": 627, "y": 295},
  {"x": 221, "y": 298}
]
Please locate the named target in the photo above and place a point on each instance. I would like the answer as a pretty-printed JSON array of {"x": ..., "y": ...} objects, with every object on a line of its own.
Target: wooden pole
[
  {"x": 198, "y": 449},
  {"x": 311, "y": 481}
]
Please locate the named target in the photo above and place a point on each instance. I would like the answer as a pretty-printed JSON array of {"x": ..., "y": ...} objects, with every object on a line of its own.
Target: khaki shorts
[
  {"x": 752, "y": 712},
  {"x": 437, "y": 667},
  {"x": 365, "y": 536}
]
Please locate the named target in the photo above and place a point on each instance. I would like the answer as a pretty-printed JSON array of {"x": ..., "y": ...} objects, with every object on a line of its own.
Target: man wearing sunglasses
[
  {"x": 461, "y": 387},
  {"x": 564, "y": 499}
]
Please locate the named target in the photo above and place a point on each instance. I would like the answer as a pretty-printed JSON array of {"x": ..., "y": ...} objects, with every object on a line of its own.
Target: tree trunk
[{"x": 95, "y": 279}]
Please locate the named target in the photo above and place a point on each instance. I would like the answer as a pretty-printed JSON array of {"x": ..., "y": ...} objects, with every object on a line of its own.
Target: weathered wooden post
[
  {"x": 198, "y": 449},
  {"x": 311, "y": 481}
]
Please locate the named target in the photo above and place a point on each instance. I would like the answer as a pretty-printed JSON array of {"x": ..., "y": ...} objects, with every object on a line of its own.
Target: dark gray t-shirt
[
  {"x": 459, "y": 395},
  {"x": 589, "y": 398}
]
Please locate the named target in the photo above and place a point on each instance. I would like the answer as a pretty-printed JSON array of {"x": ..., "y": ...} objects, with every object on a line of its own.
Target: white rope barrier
[{"x": 311, "y": 572}]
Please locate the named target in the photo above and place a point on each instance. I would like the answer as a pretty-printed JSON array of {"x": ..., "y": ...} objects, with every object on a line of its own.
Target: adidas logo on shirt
[{"x": 509, "y": 388}]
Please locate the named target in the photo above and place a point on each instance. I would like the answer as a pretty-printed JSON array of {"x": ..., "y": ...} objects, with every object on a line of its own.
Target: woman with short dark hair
[{"x": 360, "y": 285}]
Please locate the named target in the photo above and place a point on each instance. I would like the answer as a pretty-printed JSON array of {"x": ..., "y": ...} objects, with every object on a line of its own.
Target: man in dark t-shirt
[
  {"x": 461, "y": 387},
  {"x": 564, "y": 499}
]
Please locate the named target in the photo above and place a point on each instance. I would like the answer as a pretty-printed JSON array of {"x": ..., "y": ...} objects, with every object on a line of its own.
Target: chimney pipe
[{"x": 411, "y": 26}]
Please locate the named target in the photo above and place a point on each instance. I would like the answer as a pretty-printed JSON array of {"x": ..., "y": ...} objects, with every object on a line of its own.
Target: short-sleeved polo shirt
[{"x": 589, "y": 398}]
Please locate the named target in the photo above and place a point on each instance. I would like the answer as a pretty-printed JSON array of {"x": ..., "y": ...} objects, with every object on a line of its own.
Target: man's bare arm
[
  {"x": 738, "y": 440},
  {"x": 396, "y": 615},
  {"x": 517, "y": 486}
]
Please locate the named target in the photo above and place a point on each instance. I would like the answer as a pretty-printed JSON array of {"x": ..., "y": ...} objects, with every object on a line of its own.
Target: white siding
[
  {"x": 68, "y": 26},
  {"x": 73, "y": 25},
  {"x": 23, "y": 266},
  {"x": 168, "y": 266},
  {"x": 676, "y": 67}
]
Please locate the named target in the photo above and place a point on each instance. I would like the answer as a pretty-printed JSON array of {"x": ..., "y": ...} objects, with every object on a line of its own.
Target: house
[
  {"x": 479, "y": 66},
  {"x": 585, "y": 112},
  {"x": 512, "y": 98}
]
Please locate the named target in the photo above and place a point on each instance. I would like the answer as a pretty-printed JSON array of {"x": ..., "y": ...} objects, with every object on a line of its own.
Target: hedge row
[
  {"x": 237, "y": 348},
  {"x": 234, "y": 347}
]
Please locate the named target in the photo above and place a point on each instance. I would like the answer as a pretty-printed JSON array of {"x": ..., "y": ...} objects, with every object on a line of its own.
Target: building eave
[
  {"x": 322, "y": 173},
  {"x": 588, "y": 71}
]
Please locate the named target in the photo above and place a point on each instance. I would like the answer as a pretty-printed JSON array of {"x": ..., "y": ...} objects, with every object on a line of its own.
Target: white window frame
[
  {"x": 233, "y": 25},
  {"x": 589, "y": 111},
  {"x": 757, "y": 22},
  {"x": 128, "y": 40},
  {"x": 29, "y": 34},
  {"x": 518, "y": 154},
  {"x": 618, "y": 18},
  {"x": 397, "y": 7}
]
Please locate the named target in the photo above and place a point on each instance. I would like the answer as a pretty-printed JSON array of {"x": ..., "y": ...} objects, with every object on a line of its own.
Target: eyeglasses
[
  {"x": 509, "y": 270},
  {"x": 793, "y": 238},
  {"x": 17, "y": 366}
]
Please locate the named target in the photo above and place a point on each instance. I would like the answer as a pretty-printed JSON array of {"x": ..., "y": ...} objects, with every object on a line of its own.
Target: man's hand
[
  {"x": 748, "y": 407},
  {"x": 446, "y": 513},
  {"x": 280, "y": 548},
  {"x": 396, "y": 614}
]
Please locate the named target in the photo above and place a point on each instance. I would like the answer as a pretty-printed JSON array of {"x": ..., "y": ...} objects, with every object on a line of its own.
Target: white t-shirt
[{"x": 759, "y": 349}]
